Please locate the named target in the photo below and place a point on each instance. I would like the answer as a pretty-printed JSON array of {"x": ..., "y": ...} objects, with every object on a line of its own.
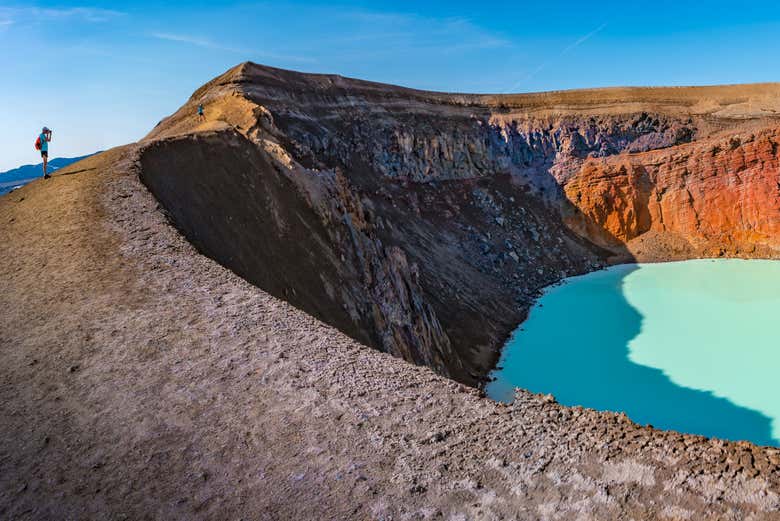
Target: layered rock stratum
[{"x": 143, "y": 380}]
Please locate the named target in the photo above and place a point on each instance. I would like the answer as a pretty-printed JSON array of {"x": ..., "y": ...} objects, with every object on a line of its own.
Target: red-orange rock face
[{"x": 720, "y": 195}]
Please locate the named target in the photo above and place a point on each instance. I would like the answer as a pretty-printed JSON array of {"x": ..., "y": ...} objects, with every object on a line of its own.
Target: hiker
[
  {"x": 42, "y": 144},
  {"x": 200, "y": 111}
]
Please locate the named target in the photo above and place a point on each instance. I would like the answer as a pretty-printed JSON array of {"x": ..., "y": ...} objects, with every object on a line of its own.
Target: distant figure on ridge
[
  {"x": 200, "y": 111},
  {"x": 42, "y": 144}
]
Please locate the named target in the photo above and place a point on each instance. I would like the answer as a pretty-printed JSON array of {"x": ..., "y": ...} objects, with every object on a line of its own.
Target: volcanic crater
[{"x": 424, "y": 224}]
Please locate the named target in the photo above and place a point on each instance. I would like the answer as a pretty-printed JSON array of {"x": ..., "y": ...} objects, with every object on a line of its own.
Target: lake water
[{"x": 692, "y": 346}]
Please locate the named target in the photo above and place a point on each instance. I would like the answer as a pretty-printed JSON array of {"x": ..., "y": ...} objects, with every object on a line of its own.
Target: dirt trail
[{"x": 140, "y": 380}]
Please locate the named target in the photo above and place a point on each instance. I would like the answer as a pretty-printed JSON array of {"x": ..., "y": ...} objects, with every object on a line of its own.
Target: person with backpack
[{"x": 42, "y": 144}]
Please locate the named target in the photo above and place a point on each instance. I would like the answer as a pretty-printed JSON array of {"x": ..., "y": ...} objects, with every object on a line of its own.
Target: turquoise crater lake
[{"x": 692, "y": 346}]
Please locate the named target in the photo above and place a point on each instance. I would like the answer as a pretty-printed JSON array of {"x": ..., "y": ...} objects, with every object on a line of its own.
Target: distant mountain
[
  {"x": 24, "y": 174},
  {"x": 31, "y": 171}
]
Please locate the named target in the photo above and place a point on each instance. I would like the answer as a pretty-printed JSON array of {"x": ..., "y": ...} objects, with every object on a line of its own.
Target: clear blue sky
[{"x": 103, "y": 76}]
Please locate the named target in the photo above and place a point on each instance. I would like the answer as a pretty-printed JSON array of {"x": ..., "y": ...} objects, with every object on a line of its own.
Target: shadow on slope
[
  {"x": 573, "y": 356},
  {"x": 302, "y": 236},
  {"x": 235, "y": 207}
]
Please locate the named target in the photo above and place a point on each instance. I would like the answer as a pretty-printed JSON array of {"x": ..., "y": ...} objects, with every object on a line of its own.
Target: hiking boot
[{"x": 47, "y": 176}]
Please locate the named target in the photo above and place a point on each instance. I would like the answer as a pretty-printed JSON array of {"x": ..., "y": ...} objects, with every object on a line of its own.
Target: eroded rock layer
[
  {"x": 424, "y": 224},
  {"x": 720, "y": 196}
]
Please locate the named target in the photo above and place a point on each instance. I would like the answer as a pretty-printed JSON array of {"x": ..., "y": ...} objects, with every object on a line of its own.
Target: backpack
[{"x": 38, "y": 143}]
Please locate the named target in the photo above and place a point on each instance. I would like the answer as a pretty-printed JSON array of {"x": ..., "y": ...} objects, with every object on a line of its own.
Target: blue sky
[{"x": 103, "y": 76}]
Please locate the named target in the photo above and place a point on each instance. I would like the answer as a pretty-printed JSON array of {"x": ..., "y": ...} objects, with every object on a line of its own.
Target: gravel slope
[{"x": 140, "y": 380}]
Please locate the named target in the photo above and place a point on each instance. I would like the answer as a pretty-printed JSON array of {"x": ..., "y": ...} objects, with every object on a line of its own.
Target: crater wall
[{"x": 425, "y": 224}]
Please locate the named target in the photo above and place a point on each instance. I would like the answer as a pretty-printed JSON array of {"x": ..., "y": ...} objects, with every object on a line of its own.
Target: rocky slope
[
  {"x": 143, "y": 381},
  {"x": 424, "y": 224}
]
